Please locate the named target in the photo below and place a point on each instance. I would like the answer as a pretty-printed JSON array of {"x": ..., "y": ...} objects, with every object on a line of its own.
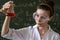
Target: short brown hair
[{"x": 47, "y": 5}]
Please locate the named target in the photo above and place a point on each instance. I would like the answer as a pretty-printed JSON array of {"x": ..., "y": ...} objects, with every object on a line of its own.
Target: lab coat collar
[
  {"x": 37, "y": 34},
  {"x": 35, "y": 26}
]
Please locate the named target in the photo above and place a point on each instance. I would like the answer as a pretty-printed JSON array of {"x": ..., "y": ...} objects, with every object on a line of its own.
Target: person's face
[{"x": 42, "y": 17}]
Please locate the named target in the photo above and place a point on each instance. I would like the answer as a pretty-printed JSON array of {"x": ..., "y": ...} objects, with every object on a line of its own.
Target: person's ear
[{"x": 50, "y": 18}]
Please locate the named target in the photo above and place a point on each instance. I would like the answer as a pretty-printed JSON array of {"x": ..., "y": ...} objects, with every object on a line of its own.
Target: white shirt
[{"x": 31, "y": 33}]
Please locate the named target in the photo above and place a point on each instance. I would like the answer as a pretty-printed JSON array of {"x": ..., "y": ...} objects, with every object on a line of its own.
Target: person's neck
[{"x": 42, "y": 29}]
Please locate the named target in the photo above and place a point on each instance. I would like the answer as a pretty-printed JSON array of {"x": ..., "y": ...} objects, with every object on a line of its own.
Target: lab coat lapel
[{"x": 36, "y": 33}]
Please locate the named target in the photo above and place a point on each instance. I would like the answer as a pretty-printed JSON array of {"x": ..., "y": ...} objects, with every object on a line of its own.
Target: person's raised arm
[{"x": 8, "y": 7}]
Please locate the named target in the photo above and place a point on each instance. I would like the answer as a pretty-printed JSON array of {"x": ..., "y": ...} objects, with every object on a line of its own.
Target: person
[{"x": 41, "y": 31}]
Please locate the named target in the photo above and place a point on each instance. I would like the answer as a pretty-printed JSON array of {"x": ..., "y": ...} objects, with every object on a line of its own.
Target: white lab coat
[{"x": 31, "y": 33}]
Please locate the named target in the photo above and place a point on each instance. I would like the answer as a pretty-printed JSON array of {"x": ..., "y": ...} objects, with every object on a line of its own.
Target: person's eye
[
  {"x": 43, "y": 17},
  {"x": 37, "y": 15}
]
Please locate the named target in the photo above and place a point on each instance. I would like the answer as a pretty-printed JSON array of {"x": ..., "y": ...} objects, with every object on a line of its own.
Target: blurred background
[{"x": 24, "y": 10}]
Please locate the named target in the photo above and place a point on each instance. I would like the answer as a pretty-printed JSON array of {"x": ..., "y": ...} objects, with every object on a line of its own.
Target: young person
[{"x": 40, "y": 31}]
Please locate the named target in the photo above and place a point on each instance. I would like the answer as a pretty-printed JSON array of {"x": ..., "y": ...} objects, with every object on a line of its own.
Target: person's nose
[{"x": 39, "y": 18}]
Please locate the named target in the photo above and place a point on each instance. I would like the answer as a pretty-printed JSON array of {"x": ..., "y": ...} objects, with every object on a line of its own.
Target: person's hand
[{"x": 8, "y": 7}]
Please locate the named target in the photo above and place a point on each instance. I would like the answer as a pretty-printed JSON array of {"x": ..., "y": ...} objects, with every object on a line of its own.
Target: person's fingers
[
  {"x": 8, "y": 4},
  {"x": 8, "y": 7}
]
